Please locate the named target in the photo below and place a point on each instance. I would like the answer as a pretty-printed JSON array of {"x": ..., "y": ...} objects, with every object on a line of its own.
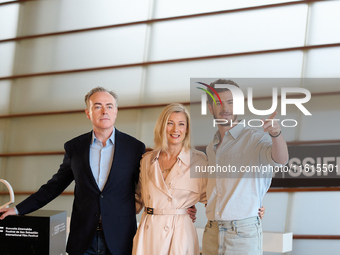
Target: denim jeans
[
  {"x": 240, "y": 237},
  {"x": 98, "y": 245}
]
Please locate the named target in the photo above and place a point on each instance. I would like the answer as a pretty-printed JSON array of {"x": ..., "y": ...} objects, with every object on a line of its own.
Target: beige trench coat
[{"x": 169, "y": 234}]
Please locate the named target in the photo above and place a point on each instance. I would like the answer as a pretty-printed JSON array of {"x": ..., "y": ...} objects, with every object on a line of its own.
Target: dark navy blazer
[{"x": 115, "y": 204}]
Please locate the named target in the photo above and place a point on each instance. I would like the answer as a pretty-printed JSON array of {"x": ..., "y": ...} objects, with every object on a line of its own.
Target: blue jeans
[
  {"x": 98, "y": 245},
  {"x": 239, "y": 237}
]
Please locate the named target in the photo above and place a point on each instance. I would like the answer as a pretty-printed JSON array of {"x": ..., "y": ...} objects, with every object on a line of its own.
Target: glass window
[
  {"x": 165, "y": 8},
  {"x": 6, "y": 60},
  {"x": 77, "y": 14},
  {"x": 324, "y": 22},
  {"x": 170, "y": 82},
  {"x": 8, "y": 20},
  {"x": 323, "y": 63},
  {"x": 149, "y": 118},
  {"x": 129, "y": 121},
  {"x": 64, "y": 15},
  {"x": 5, "y": 92},
  {"x": 45, "y": 133},
  {"x": 29, "y": 173},
  {"x": 83, "y": 50},
  {"x": 67, "y": 91},
  {"x": 229, "y": 33},
  {"x": 4, "y": 124}
]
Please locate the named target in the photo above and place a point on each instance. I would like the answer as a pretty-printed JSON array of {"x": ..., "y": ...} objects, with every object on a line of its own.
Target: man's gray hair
[{"x": 100, "y": 89}]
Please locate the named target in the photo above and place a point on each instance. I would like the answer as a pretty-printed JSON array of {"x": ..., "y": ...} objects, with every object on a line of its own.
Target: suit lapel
[
  {"x": 84, "y": 152},
  {"x": 119, "y": 152}
]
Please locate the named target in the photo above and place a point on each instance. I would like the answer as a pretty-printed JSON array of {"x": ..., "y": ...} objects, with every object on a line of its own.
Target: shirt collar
[
  {"x": 111, "y": 139},
  {"x": 182, "y": 156},
  {"x": 234, "y": 132}
]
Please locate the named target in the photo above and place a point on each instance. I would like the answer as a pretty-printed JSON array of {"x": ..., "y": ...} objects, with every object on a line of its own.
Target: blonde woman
[{"x": 166, "y": 189}]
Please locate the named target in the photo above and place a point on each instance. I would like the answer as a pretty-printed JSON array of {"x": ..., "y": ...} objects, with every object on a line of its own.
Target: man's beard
[{"x": 228, "y": 124}]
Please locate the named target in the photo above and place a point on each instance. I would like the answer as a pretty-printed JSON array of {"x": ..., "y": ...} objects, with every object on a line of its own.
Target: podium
[{"x": 39, "y": 233}]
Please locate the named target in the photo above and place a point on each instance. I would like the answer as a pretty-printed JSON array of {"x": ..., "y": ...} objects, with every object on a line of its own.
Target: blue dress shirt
[{"x": 101, "y": 159}]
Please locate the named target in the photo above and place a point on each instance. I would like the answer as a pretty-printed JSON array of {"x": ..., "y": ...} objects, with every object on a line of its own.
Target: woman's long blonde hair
[{"x": 160, "y": 139}]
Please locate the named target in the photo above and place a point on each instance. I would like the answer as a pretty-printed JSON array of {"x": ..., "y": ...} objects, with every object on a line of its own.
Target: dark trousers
[{"x": 98, "y": 245}]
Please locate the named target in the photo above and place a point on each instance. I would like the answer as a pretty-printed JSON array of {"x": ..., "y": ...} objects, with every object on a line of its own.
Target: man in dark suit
[{"x": 104, "y": 164}]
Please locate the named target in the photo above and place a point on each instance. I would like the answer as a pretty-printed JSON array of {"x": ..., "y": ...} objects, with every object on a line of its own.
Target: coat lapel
[
  {"x": 155, "y": 174},
  {"x": 175, "y": 173},
  {"x": 183, "y": 161}
]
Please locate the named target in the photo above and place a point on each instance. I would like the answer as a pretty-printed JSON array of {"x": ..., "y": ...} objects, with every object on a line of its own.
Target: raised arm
[{"x": 279, "y": 145}]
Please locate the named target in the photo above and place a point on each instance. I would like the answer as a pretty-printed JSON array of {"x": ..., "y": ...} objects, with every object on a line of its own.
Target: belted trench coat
[{"x": 169, "y": 233}]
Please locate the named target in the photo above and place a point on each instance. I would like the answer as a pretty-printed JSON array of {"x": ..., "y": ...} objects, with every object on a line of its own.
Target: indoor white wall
[{"x": 269, "y": 28}]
